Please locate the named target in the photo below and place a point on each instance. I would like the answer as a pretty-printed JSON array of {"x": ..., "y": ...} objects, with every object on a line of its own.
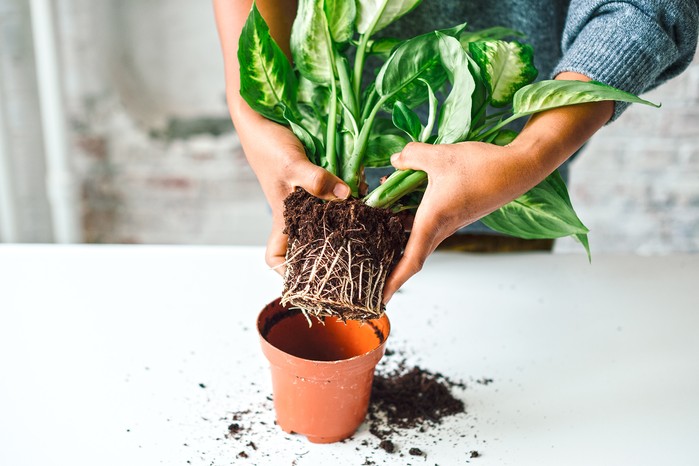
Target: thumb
[
  {"x": 413, "y": 156},
  {"x": 319, "y": 182}
]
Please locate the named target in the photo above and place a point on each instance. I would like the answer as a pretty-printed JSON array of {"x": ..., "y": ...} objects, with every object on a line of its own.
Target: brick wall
[{"x": 157, "y": 160}]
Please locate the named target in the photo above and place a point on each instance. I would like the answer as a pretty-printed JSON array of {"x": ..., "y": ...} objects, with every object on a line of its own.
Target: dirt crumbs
[{"x": 409, "y": 397}]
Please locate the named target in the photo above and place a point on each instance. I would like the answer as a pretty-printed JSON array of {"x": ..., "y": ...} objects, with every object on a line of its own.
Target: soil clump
[{"x": 339, "y": 255}]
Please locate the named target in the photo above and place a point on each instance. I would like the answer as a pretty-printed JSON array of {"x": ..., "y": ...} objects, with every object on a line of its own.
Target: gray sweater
[{"x": 633, "y": 45}]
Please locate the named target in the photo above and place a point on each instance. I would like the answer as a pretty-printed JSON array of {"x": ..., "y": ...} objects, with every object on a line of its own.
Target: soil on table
[
  {"x": 339, "y": 255},
  {"x": 409, "y": 397}
]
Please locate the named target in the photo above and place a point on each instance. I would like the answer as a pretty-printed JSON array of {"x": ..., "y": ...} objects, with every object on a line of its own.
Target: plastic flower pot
[{"x": 321, "y": 375}]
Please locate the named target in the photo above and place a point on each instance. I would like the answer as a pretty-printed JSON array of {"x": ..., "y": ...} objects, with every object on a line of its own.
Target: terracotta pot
[{"x": 322, "y": 375}]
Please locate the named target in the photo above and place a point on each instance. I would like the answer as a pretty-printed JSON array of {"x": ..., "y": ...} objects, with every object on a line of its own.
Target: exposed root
[
  {"x": 340, "y": 269},
  {"x": 339, "y": 283}
]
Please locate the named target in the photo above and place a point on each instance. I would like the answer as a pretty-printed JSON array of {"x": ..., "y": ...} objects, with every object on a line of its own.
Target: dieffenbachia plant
[{"x": 472, "y": 85}]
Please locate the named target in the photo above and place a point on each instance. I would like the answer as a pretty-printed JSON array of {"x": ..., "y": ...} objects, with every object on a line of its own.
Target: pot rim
[{"x": 298, "y": 360}]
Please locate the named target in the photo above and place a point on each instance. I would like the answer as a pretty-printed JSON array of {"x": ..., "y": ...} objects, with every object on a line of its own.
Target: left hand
[{"x": 466, "y": 181}]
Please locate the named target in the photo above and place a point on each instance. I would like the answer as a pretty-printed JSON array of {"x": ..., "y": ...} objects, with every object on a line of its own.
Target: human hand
[
  {"x": 466, "y": 181},
  {"x": 280, "y": 164}
]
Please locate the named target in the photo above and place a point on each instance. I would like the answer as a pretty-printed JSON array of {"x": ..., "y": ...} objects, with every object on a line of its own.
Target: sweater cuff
[{"x": 619, "y": 57}]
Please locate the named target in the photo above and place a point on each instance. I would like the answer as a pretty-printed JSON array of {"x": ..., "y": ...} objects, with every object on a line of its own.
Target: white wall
[{"x": 19, "y": 98}]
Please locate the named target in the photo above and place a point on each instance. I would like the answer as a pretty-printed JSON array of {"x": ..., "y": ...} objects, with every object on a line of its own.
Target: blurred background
[{"x": 114, "y": 129}]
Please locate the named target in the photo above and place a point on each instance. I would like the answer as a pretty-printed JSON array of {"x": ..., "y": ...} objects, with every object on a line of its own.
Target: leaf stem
[
  {"x": 494, "y": 129},
  {"x": 352, "y": 166},
  {"x": 349, "y": 97},
  {"x": 359, "y": 59},
  {"x": 400, "y": 183},
  {"x": 369, "y": 101},
  {"x": 330, "y": 153}
]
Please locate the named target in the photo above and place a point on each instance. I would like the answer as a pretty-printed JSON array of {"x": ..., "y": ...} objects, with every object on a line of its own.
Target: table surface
[{"x": 131, "y": 355}]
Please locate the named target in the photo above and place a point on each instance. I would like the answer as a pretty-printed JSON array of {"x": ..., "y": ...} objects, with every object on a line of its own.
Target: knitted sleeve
[{"x": 633, "y": 45}]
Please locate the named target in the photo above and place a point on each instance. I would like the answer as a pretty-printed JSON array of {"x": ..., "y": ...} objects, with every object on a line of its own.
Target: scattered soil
[
  {"x": 339, "y": 255},
  {"x": 234, "y": 429},
  {"x": 387, "y": 445},
  {"x": 409, "y": 397}
]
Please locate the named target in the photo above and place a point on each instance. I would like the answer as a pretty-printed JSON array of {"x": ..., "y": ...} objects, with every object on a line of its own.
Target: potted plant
[{"x": 472, "y": 84}]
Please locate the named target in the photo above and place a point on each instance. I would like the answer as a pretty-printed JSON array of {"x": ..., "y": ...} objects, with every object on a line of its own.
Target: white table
[{"x": 103, "y": 348}]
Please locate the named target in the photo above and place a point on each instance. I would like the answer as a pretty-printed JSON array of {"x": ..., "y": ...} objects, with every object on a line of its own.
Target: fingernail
[{"x": 342, "y": 191}]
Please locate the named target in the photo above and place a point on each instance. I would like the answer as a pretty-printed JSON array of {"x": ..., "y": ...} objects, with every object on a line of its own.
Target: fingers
[
  {"x": 413, "y": 156},
  {"x": 275, "y": 255},
  {"x": 318, "y": 181}
]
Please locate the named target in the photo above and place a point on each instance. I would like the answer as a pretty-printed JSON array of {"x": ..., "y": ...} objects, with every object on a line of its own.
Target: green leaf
[
  {"x": 426, "y": 132},
  {"x": 505, "y": 67},
  {"x": 494, "y": 33},
  {"x": 310, "y": 42},
  {"x": 479, "y": 98},
  {"x": 380, "y": 149},
  {"x": 374, "y": 15},
  {"x": 267, "y": 82},
  {"x": 340, "y": 15},
  {"x": 407, "y": 120},
  {"x": 582, "y": 239},
  {"x": 383, "y": 46},
  {"x": 313, "y": 106},
  {"x": 398, "y": 78},
  {"x": 504, "y": 137},
  {"x": 384, "y": 126},
  {"x": 455, "y": 116},
  {"x": 313, "y": 95},
  {"x": 412, "y": 64},
  {"x": 454, "y": 31},
  {"x": 311, "y": 144},
  {"x": 545, "y": 211},
  {"x": 545, "y": 95}
]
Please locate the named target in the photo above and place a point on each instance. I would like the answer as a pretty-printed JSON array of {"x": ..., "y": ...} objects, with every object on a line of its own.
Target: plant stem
[
  {"x": 368, "y": 104},
  {"x": 349, "y": 97},
  {"x": 496, "y": 128},
  {"x": 351, "y": 167},
  {"x": 330, "y": 153},
  {"x": 400, "y": 183},
  {"x": 360, "y": 56},
  {"x": 359, "y": 59}
]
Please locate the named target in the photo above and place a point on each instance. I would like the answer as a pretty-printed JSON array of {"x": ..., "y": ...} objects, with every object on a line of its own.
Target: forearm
[{"x": 551, "y": 137}]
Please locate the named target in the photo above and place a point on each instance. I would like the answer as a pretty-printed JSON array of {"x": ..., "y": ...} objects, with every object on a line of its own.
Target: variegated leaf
[
  {"x": 505, "y": 67},
  {"x": 267, "y": 82},
  {"x": 374, "y": 15}
]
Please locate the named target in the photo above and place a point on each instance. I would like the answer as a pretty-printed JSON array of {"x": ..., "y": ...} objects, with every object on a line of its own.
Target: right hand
[{"x": 280, "y": 164}]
